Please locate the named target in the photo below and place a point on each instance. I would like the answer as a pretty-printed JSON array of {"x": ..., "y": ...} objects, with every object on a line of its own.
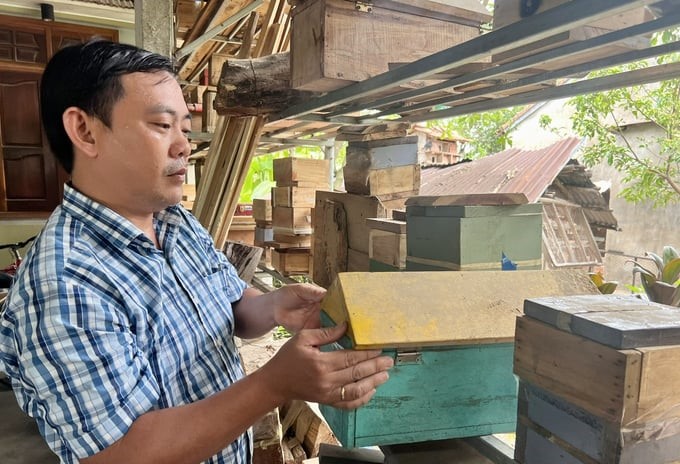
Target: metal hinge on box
[
  {"x": 363, "y": 5},
  {"x": 408, "y": 357}
]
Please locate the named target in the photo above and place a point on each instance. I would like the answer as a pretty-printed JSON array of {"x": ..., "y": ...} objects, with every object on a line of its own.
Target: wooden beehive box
[
  {"x": 387, "y": 242},
  {"x": 443, "y": 234},
  {"x": 453, "y": 352},
  {"x": 302, "y": 172},
  {"x": 601, "y": 380},
  {"x": 337, "y": 42}
]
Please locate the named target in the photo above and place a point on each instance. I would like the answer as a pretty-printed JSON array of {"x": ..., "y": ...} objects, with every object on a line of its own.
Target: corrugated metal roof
[{"x": 510, "y": 171}]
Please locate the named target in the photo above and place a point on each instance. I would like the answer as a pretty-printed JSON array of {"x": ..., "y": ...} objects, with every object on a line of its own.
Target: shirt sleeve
[{"x": 83, "y": 377}]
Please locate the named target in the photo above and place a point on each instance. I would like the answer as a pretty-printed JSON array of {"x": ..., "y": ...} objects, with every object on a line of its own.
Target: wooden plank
[
  {"x": 472, "y": 199},
  {"x": 458, "y": 310},
  {"x": 619, "y": 321},
  {"x": 330, "y": 240},
  {"x": 291, "y": 241},
  {"x": 387, "y": 225},
  {"x": 597, "y": 378}
]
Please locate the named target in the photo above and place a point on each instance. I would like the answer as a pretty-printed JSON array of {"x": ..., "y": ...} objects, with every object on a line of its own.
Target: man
[{"x": 118, "y": 334}]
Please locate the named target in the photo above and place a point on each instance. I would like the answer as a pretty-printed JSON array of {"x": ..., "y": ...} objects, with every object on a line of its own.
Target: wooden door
[{"x": 30, "y": 170}]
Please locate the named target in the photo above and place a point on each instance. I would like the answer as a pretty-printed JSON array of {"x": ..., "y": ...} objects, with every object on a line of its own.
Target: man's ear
[{"x": 79, "y": 127}]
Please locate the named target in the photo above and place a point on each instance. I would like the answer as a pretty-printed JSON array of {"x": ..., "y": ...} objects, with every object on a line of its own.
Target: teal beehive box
[
  {"x": 451, "y": 336},
  {"x": 451, "y": 232}
]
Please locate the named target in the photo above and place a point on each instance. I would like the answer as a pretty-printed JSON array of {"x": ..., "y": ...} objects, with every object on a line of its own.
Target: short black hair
[{"x": 87, "y": 76}]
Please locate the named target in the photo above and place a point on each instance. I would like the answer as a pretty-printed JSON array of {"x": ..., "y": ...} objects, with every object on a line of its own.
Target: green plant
[
  {"x": 605, "y": 287},
  {"x": 663, "y": 285}
]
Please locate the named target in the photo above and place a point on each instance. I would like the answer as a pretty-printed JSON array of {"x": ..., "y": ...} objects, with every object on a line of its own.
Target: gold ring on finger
[{"x": 342, "y": 393}]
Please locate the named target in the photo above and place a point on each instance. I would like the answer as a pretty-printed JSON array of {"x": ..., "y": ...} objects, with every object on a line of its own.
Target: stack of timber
[
  {"x": 451, "y": 335},
  {"x": 473, "y": 232},
  {"x": 510, "y": 11},
  {"x": 297, "y": 180},
  {"x": 598, "y": 381},
  {"x": 235, "y": 138},
  {"x": 330, "y": 38}
]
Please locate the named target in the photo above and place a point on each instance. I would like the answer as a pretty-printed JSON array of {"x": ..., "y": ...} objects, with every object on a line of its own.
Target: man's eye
[{"x": 163, "y": 125}]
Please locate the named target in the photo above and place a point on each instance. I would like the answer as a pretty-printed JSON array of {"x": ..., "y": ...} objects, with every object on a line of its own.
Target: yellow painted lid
[{"x": 418, "y": 309}]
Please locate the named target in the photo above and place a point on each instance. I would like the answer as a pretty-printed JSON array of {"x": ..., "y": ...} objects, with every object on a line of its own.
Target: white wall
[{"x": 643, "y": 227}]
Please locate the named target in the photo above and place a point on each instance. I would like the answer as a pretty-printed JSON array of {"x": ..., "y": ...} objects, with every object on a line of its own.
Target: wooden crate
[
  {"x": 458, "y": 237},
  {"x": 302, "y": 172},
  {"x": 553, "y": 430},
  {"x": 334, "y": 44},
  {"x": 291, "y": 241},
  {"x": 404, "y": 180},
  {"x": 262, "y": 210},
  {"x": 293, "y": 197},
  {"x": 453, "y": 356},
  {"x": 387, "y": 242},
  {"x": 292, "y": 221},
  {"x": 291, "y": 261},
  {"x": 630, "y": 387}
]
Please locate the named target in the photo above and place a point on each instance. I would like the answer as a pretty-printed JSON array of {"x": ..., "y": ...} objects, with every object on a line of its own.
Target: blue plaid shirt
[{"x": 101, "y": 327}]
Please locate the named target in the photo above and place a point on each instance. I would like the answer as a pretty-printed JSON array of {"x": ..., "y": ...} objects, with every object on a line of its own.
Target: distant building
[{"x": 434, "y": 149}]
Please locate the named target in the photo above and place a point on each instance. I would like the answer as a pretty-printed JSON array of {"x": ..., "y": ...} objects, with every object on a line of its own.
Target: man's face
[{"x": 142, "y": 157}]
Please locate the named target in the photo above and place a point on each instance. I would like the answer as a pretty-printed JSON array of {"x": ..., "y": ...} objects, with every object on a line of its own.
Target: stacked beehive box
[
  {"x": 387, "y": 167},
  {"x": 381, "y": 172},
  {"x": 451, "y": 337},
  {"x": 473, "y": 232},
  {"x": 599, "y": 381},
  {"x": 386, "y": 244},
  {"x": 297, "y": 180}
]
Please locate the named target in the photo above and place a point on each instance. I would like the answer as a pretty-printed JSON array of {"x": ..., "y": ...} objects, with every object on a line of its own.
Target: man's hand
[
  {"x": 297, "y": 306},
  {"x": 345, "y": 379}
]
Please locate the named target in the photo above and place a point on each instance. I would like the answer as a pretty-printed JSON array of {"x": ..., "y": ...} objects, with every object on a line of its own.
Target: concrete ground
[{"x": 20, "y": 441}]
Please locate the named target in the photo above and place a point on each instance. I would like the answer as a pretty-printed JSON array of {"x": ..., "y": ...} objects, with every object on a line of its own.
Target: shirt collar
[{"x": 113, "y": 227}]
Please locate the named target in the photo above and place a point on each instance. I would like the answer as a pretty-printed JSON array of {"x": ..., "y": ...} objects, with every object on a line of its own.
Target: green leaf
[
  {"x": 608, "y": 288},
  {"x": 669, "y": 254},
  {"x": 671, "y": 271},
  {"x": 657, "y": 260}
]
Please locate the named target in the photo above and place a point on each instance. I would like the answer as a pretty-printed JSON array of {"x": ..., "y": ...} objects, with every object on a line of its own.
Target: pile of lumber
[
  {"x": 291, "y": 435},
  {"x": 292, "y": 201},
  {"x": 598, "y": 381}
]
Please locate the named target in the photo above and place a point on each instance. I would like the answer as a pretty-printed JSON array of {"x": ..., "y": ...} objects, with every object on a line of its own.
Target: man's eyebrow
[{"x": 157, "y": 109}]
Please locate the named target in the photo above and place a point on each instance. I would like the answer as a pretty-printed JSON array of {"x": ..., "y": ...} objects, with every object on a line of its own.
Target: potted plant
[{"x": 663, "y": 285}]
